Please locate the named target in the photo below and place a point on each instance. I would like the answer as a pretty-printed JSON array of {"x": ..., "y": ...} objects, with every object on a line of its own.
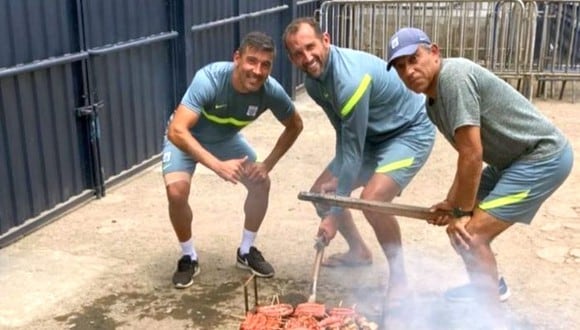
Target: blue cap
[{"x": 405, "y": 42}]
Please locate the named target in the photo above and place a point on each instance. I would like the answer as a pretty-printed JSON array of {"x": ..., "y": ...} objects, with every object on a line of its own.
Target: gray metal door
[
  {"x": 130, "y": 77},
  {"x": 43, "y": 144},
  {"x": 85, "y": 89}
]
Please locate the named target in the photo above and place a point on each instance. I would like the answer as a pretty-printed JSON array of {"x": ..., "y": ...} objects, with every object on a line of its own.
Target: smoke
[
  {"x": 430, "y": 273},
  {"x": 433, "y": 267}
]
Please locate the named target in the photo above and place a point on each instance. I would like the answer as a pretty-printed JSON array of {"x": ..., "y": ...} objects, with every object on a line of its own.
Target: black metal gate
[
  {"x": 130, "y": 79},
  {"x": 85, "y": 88}
]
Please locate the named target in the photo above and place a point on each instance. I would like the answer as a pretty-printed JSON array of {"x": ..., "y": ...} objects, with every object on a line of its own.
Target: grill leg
[
  {"x": 255, "y": 290},
  {"x": 246, "y": 299},
  {"x": 254, "y": 280}
]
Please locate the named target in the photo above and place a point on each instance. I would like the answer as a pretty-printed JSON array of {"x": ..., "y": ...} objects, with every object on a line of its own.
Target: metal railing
[
  {"x": 557, "y": 45},
  {"x": 529, "y": 42}
]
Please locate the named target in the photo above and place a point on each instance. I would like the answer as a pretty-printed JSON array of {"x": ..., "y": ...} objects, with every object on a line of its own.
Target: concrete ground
[{"x": 108, "y": 264}]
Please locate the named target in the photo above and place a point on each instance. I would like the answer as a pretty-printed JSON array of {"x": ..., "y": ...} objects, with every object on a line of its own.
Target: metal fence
[
  {"x": 557, "y": 45},
  {"x": 526, "y": 42}
]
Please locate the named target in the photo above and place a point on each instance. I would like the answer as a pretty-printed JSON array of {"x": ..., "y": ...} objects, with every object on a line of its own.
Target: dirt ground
[{"x": 108, "y": 264}]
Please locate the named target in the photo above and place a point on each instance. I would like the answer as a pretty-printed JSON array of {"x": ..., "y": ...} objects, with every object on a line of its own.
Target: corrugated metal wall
[
  {"x": 131, "y": 78},
  {"x": 228, "y": 21},
  {"x": 41, "y": 145},
  {"x": 86, "y": 87}
]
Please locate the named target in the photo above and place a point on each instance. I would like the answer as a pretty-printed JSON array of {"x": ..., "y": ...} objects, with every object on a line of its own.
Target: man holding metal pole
[
  {"x": 383, "y": 138},
  {"x": 486, "y": 120}
]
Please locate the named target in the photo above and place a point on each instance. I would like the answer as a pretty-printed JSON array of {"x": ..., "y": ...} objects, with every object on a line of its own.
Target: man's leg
[
  {"x": 358, "y": 252},
  {"x": 177, "y": 188},
  {"x": 178, "y": 169},
  {"x": 256, "y": 203},
  {"x": 255, "y": 207},
  {"x": 480, "y": 261},
  {"x": 509, "y": 194},
  {"x": 383, "y": 188},
  {"x": 397, "y": 161}
]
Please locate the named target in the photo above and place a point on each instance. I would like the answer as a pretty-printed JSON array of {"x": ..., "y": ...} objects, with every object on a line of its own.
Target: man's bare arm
[
  {"x": 469, "y": 167},
  {"x": 292, "y": 128}
]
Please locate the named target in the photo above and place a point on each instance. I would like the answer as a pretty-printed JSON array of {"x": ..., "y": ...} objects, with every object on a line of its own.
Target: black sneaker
[
  {"x": 255, "y": 262},
  {"x": 187, "y": 269},
  {"x": 465, "y": 293}
]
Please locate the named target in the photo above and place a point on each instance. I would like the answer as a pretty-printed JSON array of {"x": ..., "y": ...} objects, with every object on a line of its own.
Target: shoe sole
[
  {"x": 505, "y": 296},
  {"x": 188, "y": 284},
  {"x": 246, "y": 267}
]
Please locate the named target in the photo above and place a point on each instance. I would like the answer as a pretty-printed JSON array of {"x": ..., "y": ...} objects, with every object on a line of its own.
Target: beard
[{"x": 313, "y": 70}]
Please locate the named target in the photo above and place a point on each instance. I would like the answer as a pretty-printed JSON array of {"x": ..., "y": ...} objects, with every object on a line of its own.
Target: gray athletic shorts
[
  {"x": 175, "y": 160},
  {"x": 400, "y": 157},
  {"x": 515, "y": 194}
]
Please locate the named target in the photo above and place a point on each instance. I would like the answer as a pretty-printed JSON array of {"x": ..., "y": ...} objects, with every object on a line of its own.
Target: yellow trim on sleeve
[
  {"x": 502, "y": 201},
  {"x": 224, "y": 121},
  {"x": 361, "y": 89},
  {"x": 395, "y": 165}
]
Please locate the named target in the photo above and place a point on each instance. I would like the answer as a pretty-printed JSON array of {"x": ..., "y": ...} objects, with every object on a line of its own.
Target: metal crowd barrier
[
  {"x": 556, "y": 51},
  {"x": 517, "y": 40}
]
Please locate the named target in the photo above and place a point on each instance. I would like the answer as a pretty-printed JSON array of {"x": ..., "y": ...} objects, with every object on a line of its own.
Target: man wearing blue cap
[
  {"x": 486, "y": 120},
  {"x": 383, "y": 138}
]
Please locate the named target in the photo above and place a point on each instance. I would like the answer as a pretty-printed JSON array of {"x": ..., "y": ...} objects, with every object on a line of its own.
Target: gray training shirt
[
  {"x": 224, "y": 111},
  {"x": 365, "y": 104},
  {"x": 511, "y": 127}
]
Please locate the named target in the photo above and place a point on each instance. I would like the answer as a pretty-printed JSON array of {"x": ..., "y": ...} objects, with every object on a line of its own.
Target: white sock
[
  {"x": 248, "y": 238},
  {"x": 188, "y": 250}
]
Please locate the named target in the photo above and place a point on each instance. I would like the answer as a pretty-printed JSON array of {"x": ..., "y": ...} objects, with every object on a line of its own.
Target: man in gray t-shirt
[{"x": 485, "y": 120}]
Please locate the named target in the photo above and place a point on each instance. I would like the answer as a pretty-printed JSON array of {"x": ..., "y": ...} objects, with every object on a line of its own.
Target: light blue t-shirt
[
  {"x": 224, "y": 111},
  {"x": 365, "y": 104}
]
